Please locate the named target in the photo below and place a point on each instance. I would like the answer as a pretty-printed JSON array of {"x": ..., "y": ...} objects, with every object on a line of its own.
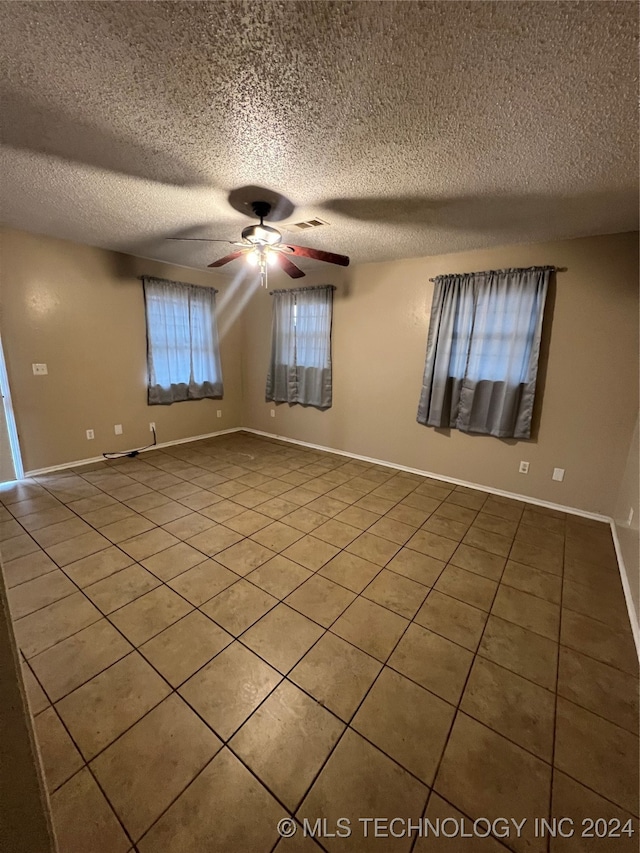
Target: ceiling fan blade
[
  {"x": 201, "y": 240},
  {"x": 288, "y": 266},
  {"x": 319, "y": 255},
  {"x": 231, "y": 257}
]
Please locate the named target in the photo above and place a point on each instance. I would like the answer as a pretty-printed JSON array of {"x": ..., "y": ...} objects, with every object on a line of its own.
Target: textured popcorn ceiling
[{"x": 413, "y": 128}]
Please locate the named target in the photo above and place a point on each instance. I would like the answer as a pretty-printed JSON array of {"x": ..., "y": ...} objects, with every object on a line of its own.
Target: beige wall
[
  {"x": 80, "y": 310},
  {"x": 628, "y": 534},
  {"x": 589, "y": 384}
]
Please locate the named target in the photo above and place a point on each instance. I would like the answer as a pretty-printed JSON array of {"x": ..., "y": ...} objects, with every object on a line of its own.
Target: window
[
  {"x": 482, "y": 351},
  {"x": 300, "y": 366},
  {"x": 183, "y": 357}
]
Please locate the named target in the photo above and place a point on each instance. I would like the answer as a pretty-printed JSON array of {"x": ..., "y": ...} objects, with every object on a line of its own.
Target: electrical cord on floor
[{"x": 132, "y": 453}]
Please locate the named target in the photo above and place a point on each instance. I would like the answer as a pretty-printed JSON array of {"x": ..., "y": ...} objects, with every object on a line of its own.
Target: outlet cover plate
[{"x": 558, "y": 474}]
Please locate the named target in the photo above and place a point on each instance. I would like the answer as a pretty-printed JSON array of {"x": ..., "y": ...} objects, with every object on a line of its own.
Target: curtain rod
[
  {"x": 508, "y": 269},
  {"x": 144, "y": 278},
  {"x": 301, "y": 289}
]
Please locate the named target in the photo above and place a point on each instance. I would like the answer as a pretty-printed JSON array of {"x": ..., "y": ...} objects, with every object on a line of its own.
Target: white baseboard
[
  {"x": 626, "y": 588},
  {"x": 65, "y": 465},
  {"x": 513, "y": 495}
]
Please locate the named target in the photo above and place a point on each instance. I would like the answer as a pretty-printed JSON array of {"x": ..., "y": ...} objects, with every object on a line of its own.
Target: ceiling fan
[{"x": 263, "y": 247}]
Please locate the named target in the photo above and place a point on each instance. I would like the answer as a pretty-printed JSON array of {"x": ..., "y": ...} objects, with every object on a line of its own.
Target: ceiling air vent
[{"x": 305, "y": 226}]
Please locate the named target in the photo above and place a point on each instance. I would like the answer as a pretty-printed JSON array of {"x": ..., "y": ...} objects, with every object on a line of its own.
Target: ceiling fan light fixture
[{"x": 261, "y": 234}]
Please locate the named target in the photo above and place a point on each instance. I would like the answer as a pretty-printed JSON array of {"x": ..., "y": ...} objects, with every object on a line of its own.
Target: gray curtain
[
  {"x": 183, "y": 354},
  {"x": 300, "y": 366},
  {"x": 482, "y": 351}
]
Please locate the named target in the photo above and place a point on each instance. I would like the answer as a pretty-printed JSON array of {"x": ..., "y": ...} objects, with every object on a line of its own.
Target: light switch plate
[
  {"x": 118, "y": 429},
  {"x": 558, "y": 474},
  {"x": 39, "y": 369}
]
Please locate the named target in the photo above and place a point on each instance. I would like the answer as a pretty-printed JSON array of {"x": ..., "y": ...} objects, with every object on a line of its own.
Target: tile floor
[{"x": 225, "y": 633}]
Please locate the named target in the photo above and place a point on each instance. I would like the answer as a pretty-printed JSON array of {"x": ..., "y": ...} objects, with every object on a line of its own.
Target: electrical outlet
[
  {"x": 39, "y": 369},
  {"x": 272, "y": 412},
  {"x": 90, "y": 434},
  {"x": 524, "y": 468},
  {"x": 118, "y": 429},
  {"x": 152, "y": 426},
  {"x": 219, "y": 413},
  {"x": 558, "y": 474}
]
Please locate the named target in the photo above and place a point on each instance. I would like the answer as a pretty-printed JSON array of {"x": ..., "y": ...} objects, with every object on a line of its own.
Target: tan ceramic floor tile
[
  {"x": 83, "y": 820},
  {"x": 393, "y": 530},
  {"x": 310, "y": 553},
  {"x": 599, "y": 688},
  {"x": 42, "y": 629},
  {"x": 528, "y": 611},
  {"x": 606, "y": 604},
  {"x": 214, "y": 540},
  {"x": 337, "y": 674},
  {"x": 222, "y": 510},
  {"x": 516, "y": 708},
  {"x": 282, "y": 637},
  {"x": 79, "y": 658},
  {"x": 108, "y": 515},
  {"x": 444, "y": 526},
  {"x": 227, "y": 690},
  {"x": 325, "y": 505},
  {"x": 248, "y": 522},
  {"x": 320, "y": 599},
  {"x": 372, "y": 628},
  {"x": 304, "y": 519},
  {"x": 166, "y": 513},
  {"x": 375, "y": 504},
  {"x": 355, "y": 516},
  {"x": 211, "y": 814},
  {"x": 279, "y": 576},
  {"x": 203, "y": 581},
  {"x": 533, "y": 581},
  {"x": 597, "y": 753},
  {"x": 397, "y": 593},
  {"x": 455, "y": 512},
  {"x": 433, "y": 661},
  {"x": 534, "y": 518},
  {"x": 349, "y": 571},
  {"x": 485, "y": 540},
  {"x": 173, "y": 561},
  {"x": 534, "y": 535},
  {"x": 467, "y": 586},
  {"x": 486, "y": 775},
  {"x": 523, "y": 652},
  {"x": 18, "y": 546},
  {"x": 358, "y": 780},
  {"x": 408, "y": 515},
  {"x": 27, "y": 568},
  {"x": 182, "y": 648},
  {"x": 406, "y": 722},
  {"x": 337, "y": 533},
  {"x": 36, "y": 697},
  {"x": 440, "y": 813},
  {"x": 46, "y": 517},
  {"x": 277, "y": 536},
  {"x": 39, "y": 592},
  {"x": 539, "y": 558},
  {"x": 94, "y": 568},
  {"x": 104, "y": 707},
  {"x": 75, "y": 549},
  {"x": 373, "y": 548},
  {"x": 126, "y": 528},
  {"x": 571, "y": 799},
  {"x": 239, "y": 606},
  {"x": 244, "y": 556},
  {"x": 148, "y": 615},
  {"x": 147, "y": 544},
  {"x": 503, "y": 508},
  {"x": 599, "y": 641},
  {"x": 200, "y": 499},
  {"x": 146, "y": 768},
  {"x": 416, "y": 566},
  {"x": 189, "y": 525},
  {"x": 453, "y": 619},
  {"x": 46, "y": 537},
  {"x": 251, "y": 498},
  {"x": 493, "y": 524},
  {"x": 432, "y": 544},
  {"x": 60, "y": 758},
  {"x": 286, "y": 741},
  {"x": 467, "y": 498},
  {"x": 277, "y": 508},
  {"x": 120, "y": 588}
]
